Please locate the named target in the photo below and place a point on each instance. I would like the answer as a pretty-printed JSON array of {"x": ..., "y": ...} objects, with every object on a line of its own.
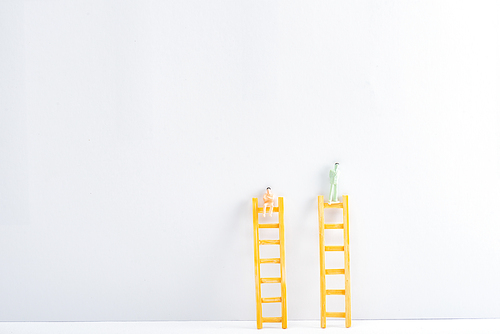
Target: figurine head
[{"x": 268, "y": 189}]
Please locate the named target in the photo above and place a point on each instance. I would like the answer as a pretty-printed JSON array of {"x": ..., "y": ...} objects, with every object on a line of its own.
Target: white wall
[{"x": 133, "y": 135}]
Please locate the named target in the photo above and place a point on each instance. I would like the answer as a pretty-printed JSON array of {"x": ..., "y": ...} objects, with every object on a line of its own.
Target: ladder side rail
[
  {"x": 257, "y": 261},
  {"x": 321, "y": 219},
  {"x": 282, "y": 263},
  {"x": 347, "y": 262}
]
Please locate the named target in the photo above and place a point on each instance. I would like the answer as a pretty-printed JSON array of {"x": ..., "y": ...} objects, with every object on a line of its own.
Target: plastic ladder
[
  {"x": 258, "y": 261},
  {"x": 322, "y": 252}
]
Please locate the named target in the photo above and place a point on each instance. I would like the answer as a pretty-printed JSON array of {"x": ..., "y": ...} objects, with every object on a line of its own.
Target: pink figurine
[{"x": 268, "y": 201}]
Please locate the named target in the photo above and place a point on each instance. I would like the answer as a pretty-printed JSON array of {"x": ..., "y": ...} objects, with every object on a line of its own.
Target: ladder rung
[
  {"x": 269, "y": 242},
  {"x": 334, "y": 248},
  {"x": 334, "y": 226},
  {"x": 335, "y": 292},
  {"x": 269, "y": 225},
  {"x": 335, "y": 314},
  {"x": 269, "y": 319},
  {"x": 272, "y": 300},
  {"x": 271, "y": 280},
  {"x": 333, "y": 205},
  {"x": 275, "y": 209},
  {"x": 277, "y": 260},
  {"x": 334, "y": 271}
]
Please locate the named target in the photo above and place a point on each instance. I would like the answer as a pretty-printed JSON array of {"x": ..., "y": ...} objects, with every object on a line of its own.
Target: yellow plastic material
[
  {"x": 281, "y": 261},
  {"x": 346, "y": 271}
]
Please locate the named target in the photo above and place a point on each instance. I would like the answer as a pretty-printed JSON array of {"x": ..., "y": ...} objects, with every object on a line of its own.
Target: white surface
[
  {"x": 461, "y": 326},
  {"x": 133, "y": 135}
]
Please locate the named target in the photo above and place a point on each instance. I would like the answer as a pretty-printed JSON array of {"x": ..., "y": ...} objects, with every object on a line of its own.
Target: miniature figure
[
  {"x": 334, "y": 183},
  {"x": 268, "y": 201}
]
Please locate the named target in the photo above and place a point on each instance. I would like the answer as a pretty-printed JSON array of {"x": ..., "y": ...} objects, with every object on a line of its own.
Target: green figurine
[{"x": 334, "y": 184}]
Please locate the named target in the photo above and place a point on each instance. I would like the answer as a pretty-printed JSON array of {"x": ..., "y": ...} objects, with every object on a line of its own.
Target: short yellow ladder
[
  {"x": 345, "y": 271},
  {"x": 258, "y": 261}
]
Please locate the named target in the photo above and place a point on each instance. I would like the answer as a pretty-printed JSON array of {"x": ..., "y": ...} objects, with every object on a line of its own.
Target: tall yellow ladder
[
  {"x": 346, "y": 271},
  {"x": 258, "y": 261}
]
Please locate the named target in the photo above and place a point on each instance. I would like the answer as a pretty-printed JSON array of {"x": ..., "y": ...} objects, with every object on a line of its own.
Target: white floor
[{"x": 477, "y": 326}]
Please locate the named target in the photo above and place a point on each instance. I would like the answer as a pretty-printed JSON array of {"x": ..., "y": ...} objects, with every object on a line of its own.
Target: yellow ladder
[
  {"x": 258, "y": 261},
  {"x": 346, "y": 271}
]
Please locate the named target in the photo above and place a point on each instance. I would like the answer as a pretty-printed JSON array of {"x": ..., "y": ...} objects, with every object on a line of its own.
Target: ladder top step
[
  {"x": 334, "y": 226},
  {"x": 333, "y": 205},
  {"x": 334, "y": 248},
  {"x": 335, "y": 292},
  {"x": 335, "y": 314},
  {"x": 261, "y": 210},
  {"x": 271, "y": 319},
  {"x": 271, "y": 280},
  {"x": 269, "y": 242},
  {"x": 269, "y": 225}
]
